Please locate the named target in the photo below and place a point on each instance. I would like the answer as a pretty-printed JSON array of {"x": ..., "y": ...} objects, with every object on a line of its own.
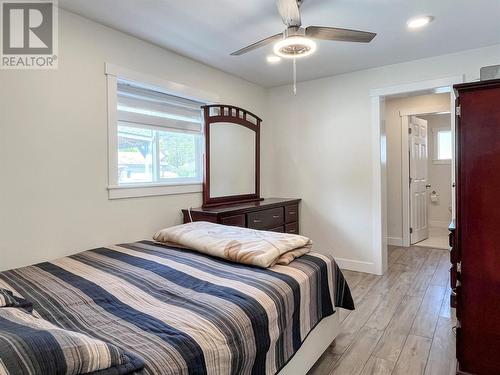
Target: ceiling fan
[{"x": 297, "y": 41}]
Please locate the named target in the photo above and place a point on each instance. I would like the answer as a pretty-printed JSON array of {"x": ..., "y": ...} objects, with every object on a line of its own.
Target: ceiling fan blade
[
  {"x": 343, "y": 35},
  {"x": 260, "y": 43},
  {"x": 289, "y": 12}
]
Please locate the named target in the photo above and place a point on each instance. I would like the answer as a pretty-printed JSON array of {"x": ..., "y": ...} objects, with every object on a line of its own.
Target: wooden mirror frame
[{"x": 237, "y": 116}]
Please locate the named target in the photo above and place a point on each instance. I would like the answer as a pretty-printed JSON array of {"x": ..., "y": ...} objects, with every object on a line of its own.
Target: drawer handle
[
  {"x": 276, "y": 216},
  {"x": 291, "y": 212},
  {"x": 257, "y": 221}
]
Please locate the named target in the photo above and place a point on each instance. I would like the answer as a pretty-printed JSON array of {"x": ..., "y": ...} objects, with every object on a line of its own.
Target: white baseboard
[
  {"x": 439, "y": 224},
  {"x": 395, "y": 241},
  {"x": 356, "y": 265}
]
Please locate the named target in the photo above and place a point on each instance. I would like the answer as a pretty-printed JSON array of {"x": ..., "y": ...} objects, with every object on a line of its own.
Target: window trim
[
  {"x": 435, "y": 132},
  {"x": 115, "y": 190}
]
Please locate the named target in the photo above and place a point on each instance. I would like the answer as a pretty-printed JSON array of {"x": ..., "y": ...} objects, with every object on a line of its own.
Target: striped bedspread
[
  {"x": 183, "y": 312},
  {"x": 34, "y": 346}
]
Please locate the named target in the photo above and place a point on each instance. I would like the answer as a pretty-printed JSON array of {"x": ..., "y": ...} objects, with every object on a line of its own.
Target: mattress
[{"x": 183, "y": 312}]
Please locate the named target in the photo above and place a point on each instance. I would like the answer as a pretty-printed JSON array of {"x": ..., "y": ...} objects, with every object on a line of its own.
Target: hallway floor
[
  {"x": 403, "y": 322},
  {"x": 438, "y": 239}
]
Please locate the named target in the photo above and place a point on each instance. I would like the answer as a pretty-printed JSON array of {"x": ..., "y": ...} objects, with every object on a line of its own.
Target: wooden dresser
[
  {"x": 274, "y": 214},
  {"x": 475, "y": 254}
]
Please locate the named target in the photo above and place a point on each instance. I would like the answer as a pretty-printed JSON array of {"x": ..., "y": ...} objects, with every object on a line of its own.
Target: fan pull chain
[{"x": 294, "y": 77}]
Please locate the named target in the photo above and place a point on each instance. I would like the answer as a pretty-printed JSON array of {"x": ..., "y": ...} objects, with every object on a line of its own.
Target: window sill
[
  {"x": 151, "y": 190},
  {"x": 437, "y": 161}
]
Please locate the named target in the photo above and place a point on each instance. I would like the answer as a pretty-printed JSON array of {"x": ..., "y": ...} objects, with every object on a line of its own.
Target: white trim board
[
  {"x": 379, "y": 157},
  {"x": 356, "y": 265},
  {"x": 121, "y": 192},
  {"x": 163, "y": 85},
  {"x": 412, "y": 87},
  {"x": 422, "y": 111},
  {"x": 405, "y": 177},
  {"x": 395, "y": 241}
]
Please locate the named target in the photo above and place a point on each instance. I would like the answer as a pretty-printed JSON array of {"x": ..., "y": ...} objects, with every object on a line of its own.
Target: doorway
[
  {"x": 380, "y": 195},
  {"x": 427, "y": 135},
  {"x": 410, "y": 122}
]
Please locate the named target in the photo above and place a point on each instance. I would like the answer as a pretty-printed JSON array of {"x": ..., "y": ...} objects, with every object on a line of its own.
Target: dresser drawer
[
  {"x": 234, "y": 220},
  {"x": 291, "y": 213},
  {"x": 266, "y": 219},
  {"x": 280, "y": 229},
  {"x": 292, "y": 228}
]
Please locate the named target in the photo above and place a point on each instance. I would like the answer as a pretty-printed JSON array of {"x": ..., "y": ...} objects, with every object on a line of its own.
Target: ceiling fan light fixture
[{"x": 295, "y": 47}]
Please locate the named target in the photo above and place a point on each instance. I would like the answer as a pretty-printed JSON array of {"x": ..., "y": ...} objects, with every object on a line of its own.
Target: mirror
[
  {"x": 232, "y": 160},
  {"x": 231, "y": 155}
]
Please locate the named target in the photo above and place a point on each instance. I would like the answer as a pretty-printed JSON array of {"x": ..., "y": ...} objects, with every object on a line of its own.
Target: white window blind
[{"x": 138, "y": 105}]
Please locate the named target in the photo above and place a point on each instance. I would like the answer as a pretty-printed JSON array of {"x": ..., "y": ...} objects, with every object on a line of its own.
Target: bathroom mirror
[{"x": 232, "y": 146}]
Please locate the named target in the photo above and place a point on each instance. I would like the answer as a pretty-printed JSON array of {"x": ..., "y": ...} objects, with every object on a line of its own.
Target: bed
[{"x": 183, "y": 312}]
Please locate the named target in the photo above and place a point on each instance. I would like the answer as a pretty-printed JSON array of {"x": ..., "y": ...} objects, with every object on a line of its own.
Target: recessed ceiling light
[
  {"x": 273, "y": 59},
  {"x": 418, "y": 22}
]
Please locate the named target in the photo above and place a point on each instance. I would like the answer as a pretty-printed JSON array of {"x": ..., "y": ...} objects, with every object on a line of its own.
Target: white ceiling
[{"x": 209, "y": 30}]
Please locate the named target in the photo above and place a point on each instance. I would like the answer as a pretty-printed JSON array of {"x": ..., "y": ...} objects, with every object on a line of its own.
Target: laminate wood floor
[{"x": 402, "y": 324}]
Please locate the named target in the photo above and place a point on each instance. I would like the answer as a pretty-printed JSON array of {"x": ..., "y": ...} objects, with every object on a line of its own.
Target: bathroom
[
  {"x": 439, "y": 206},
  {"x": 419, "y": 169}
]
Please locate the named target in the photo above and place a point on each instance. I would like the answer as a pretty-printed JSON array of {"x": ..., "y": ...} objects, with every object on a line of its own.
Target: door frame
[
  {"x": 405, "y": 160},
  {"x": 379, "y": 155}
]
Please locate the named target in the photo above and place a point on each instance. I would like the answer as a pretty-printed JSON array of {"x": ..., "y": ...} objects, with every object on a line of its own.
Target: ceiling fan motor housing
[{"x": 294, "y": 31}]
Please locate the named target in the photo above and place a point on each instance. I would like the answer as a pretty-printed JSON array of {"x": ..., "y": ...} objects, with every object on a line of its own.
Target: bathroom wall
[{"x": 439, "y": 213}]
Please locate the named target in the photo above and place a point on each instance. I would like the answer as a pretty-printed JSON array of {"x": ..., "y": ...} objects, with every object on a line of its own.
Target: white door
[{"x": 418, "y": 180}]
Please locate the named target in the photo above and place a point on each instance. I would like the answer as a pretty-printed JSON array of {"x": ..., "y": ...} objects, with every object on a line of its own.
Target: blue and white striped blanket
[
  {"x": 32, "y": 346},
  {"x": 183, "y": 312}
]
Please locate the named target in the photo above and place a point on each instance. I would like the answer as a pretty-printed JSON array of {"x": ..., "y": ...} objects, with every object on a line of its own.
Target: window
[
  {"x": 159, "y": 137},
  {"x": 155, "y": 137},
  {"x": 442, "y": 146}
]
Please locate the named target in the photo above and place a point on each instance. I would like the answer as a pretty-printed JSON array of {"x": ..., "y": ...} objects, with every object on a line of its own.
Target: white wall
[
  {"x": 322, "y": 148},
  {"x": 53, "y": 145},
  {"x": 316, "y": 146},
  {"x": 394, "y": 167},
  {"x": 439, "y": 213}
]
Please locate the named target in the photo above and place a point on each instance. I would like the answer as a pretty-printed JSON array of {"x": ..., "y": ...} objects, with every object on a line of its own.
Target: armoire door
[{"x": 478, "y": 225}]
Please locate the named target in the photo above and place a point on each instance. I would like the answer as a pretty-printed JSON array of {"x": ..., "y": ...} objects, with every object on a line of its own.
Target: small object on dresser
[{"x": 490, "y": 72}]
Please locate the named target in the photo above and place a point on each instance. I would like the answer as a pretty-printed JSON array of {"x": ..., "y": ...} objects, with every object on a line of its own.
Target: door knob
[{"x": 428, "y": 185}]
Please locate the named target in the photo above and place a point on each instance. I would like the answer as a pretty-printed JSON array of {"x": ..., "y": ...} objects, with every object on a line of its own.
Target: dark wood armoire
[{"x": 475, "y": 237}]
